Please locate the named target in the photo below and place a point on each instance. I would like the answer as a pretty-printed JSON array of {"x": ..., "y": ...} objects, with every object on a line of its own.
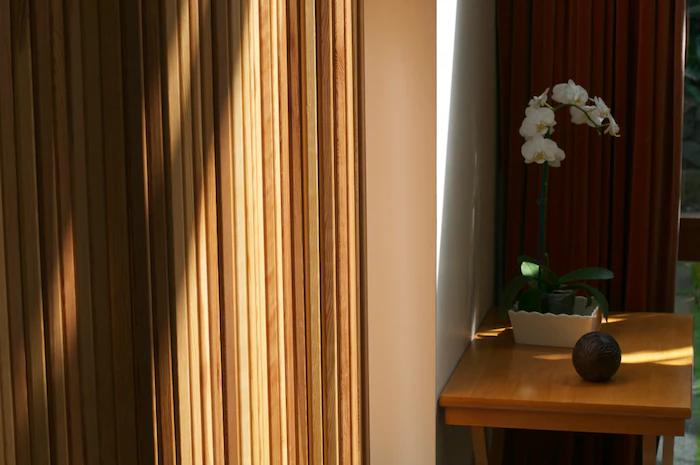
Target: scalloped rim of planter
[{"x": 548, "y": 329}]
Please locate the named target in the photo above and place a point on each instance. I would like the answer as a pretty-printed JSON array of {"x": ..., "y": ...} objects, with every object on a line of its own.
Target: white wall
[
  {"x": 423, "y": 305},
  {"x": 466, "y": 172},
  {"x": 399, "y": 52}
]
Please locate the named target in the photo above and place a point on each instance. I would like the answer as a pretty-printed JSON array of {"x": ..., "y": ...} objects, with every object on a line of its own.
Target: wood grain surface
[
  {"x": 499, "y": 383},
  {"x": 180, "y": 232}
]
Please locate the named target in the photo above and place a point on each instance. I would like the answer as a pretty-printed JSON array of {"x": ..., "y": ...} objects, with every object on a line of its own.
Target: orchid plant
[{"x": 544, "y": 286}]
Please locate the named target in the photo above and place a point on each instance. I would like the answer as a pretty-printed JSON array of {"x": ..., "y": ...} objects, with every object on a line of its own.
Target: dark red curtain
[{"x": 614, "y": 202}]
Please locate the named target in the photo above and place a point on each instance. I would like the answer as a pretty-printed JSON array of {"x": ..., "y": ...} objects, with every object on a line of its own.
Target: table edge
[
  {"x": 446, "y": 401},
  {"x": 564, "y": 421}
]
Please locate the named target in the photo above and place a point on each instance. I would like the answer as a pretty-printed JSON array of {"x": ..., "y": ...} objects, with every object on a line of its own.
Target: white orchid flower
[
  {"x": 578, "y": 114},
  {"x": 540, "y": 150},
  {"x": 570, "y": 93},
  {"x": 538, "y": 122},
  {"x": 612, "y": 129},
  {"x": 559, "y": 155},
  {"x": 600, "y": 112},
  {"x": 602, "y": 109},
  {"x": 539, "y": 100}
]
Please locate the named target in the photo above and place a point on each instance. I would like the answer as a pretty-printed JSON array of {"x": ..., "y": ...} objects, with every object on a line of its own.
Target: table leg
[
  {"x": 649, "y": 450},
  {"x": 669, "y": 442},
  {"x": 496, "y": 449},
  {"x": 479, "y": 446}
]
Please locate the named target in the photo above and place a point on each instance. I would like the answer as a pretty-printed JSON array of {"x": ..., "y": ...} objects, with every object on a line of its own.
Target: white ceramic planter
[{"x": 547, "y": 329}]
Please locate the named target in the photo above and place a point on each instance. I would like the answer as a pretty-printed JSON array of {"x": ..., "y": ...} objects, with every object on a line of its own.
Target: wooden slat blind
[{"x": 179, "y": 232}]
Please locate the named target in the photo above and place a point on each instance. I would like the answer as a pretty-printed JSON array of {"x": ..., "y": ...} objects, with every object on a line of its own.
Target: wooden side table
[{"x": 500, "y": 384}]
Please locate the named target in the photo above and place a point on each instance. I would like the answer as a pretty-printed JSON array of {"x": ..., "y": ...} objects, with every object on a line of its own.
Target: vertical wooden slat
[
  {"x": 270, "y": 208},
  {"x": 199, "y": 233},
  {"x": 4, "y": 459},
  {"x": 243, "y": 419},
  {"x": 278, "y": 143},
  {"x": 228, "y": 275},
  {"x": 342, "y": 259},
  {"x": 210, "y": 205},
  {"x": 328, "y": 248},
  {"x": 278, "y": 317},
  {"x": 66, "y": 252},
  {"x": 49, "y": 232},
  {"x": 219, "y": 28},
  {"x": 174, "y": 133},
  {"x": 298, "y": 328},
  {"x": 260, "y": 428},
  {"x": 7, "y": 429},
  {"x": 312, "y": 227},
  {"x": 192, "y": 239},
  {"x": 157, "y": 211},
  {"x": 12, "y": 254},
  {"x": 261, "y": 247},
  {"x": 139, "y": 250},
  {"x": 287, "y": 251},
  {"x": 97, "y": 203},
  {"x": 29, "y": 244},
  {"x": 353, "y": 213},
  {"x": 117, "y": 227},
  {"x": 83, "y": 389},
  {"x": 247, "y": 295},
  {"x": 9, "y": 455}
]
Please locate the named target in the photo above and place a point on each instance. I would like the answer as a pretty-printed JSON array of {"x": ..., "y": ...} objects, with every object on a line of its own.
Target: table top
[{"x": 654, "y": 379}]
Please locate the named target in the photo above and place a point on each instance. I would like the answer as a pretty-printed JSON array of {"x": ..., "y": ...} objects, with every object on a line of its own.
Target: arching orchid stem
[
  {"x": 597, "y": 126},
  {"x": 542, "y": 204},
  {"x": 537, "y": 129}
]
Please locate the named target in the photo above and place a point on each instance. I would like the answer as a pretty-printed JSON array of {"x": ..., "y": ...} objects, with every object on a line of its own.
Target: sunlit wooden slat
[
  {"x": 211, "y": 217},
  {"x": 270, "y": 188},
  {"x": 297, "y": 328},
  {"x": 221, "y": 141},
  {"x": 328, "y": 147},
  {"x": 310, "y": 211},
  {"x": 190, "y": 280},
  {"x": 289, "y": 390},
  {"x": 198, "y": 298},
  {"x": 241, "y": 137},
  {"x": 175, "y": 149},
  {"x": 343, "y": 158}
]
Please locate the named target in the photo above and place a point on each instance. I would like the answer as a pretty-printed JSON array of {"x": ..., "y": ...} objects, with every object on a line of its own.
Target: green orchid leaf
[
  {"x": 585, "y": 274},
  {"x": 510, "y": 293},
  {"x": 595, "y": 293},
  {"x": 530, "y": 269},
  {"x": 539, "y": 271},
  {"x": 525, "y": 258},
  {"x": 530, "y": 301}
]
